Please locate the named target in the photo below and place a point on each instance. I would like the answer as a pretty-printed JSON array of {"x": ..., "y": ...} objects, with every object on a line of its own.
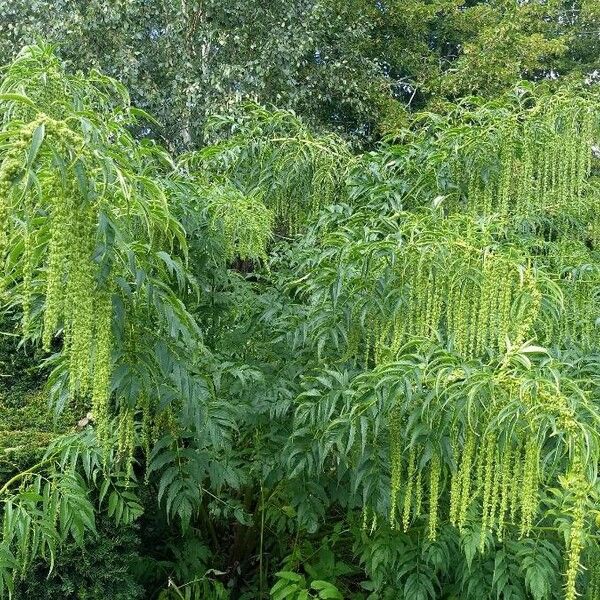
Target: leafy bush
[
  {"x": 103, "y": 568},
  {"x": 308, "y": 372}
]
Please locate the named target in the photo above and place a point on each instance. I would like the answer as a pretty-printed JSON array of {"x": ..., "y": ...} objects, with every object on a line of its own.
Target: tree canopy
[{"x": 357, "y": 67}]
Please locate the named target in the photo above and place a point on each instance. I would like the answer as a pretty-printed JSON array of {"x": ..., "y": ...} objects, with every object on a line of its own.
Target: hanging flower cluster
[
  {"x": 445, "y": 438},
  {"x": 482, "y": 302},
  {"x": 474, "y": 297},
  {"x": 74, "y": 302},
  {"x": 245, "y": 222},
  {"x": 543, "y": 163},
  {"x": 82, "y": 226},
  {"x": 496, "y": 256},
  {"x": 298, "y": 172}
]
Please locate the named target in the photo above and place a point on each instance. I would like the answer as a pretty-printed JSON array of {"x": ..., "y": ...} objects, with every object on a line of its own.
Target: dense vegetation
[
  {"x": 261, "y": 364},
  {"x": 358, "y": 67}
]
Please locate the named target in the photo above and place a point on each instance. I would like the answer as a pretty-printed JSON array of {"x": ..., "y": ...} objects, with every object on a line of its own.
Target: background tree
[{"x": 353, "y": 66}]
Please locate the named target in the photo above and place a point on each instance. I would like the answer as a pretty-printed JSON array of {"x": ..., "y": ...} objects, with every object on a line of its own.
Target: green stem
[
  {"x": 260, "y": 550},
  {"x": 23, "y": 474}
]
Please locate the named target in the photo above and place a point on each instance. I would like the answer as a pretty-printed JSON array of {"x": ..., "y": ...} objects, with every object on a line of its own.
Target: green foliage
[
  {"x": 274, "y": 155},
  {"x": 357, "y": 67},
  {"x": 201, "y": 587},
  {"x": 53, "y": 503},
  {"x": 292, "y": 586},
  {"x": 405, "y": 298},
  {"x": 101, "y": 569},
  {"x": 317, "y": 374},
  {"x": 26, "y": 427}
]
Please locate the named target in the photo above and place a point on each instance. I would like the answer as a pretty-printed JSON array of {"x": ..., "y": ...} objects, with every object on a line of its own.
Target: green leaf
[
  {"x": 289, "y": 576},
  {"x": 11, "y": 97},
  {"x": 36, "y": 142},
  {"x": 326, "y": 590}
]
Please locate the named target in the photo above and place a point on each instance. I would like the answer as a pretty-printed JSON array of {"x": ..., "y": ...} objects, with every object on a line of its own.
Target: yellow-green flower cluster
[
  {"x": 102, "y": 364},
  {"x": 577, "y": 486},
  {"x": 396, "y": 453},
  {"x": 435, "y": 471},
  {"x": 247, "y": 224},
  {"x": 126, "y": 438},
  {"x": 474, "y": 297},
  {"x": 544, "y": 162},
  {"x": 74, "y": 302}
]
